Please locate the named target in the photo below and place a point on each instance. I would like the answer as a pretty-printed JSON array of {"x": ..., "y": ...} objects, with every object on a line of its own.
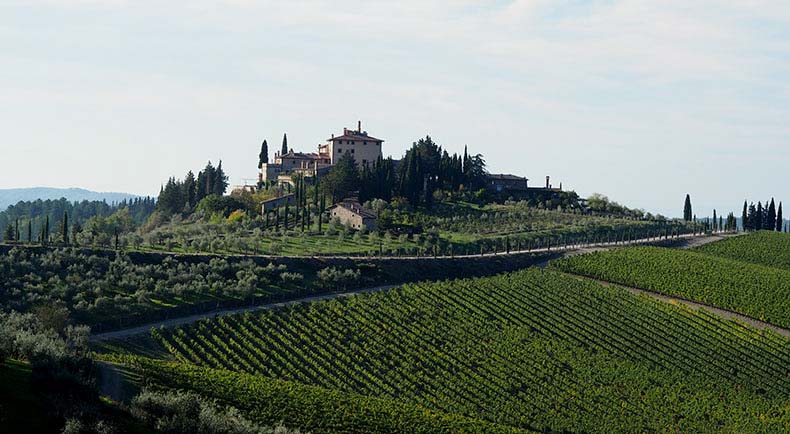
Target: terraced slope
[
  {"x": 764, "y": 248},
  {"x": 753, "y": 290},
  {"x": 533, "y": 349}
]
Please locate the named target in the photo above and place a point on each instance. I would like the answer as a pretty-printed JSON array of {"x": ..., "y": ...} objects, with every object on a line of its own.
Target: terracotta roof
[
  {"x": 356, "y": 208},
  {"x": 292, "y": 154},
  {"x": 506, "y": 176},
  {"x": 354, "y": 135}
]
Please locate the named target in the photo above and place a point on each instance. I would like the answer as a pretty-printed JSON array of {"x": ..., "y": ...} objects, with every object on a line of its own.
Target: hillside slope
[{"x": 12, "y": 196}]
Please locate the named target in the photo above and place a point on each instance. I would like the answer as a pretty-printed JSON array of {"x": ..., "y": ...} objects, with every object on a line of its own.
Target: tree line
[
  {"x": 182, "y": 196},
  {"x": 763, "y": 217},
  {"x": 59, "y": 221},
  {"x": 424, "y": 169}
]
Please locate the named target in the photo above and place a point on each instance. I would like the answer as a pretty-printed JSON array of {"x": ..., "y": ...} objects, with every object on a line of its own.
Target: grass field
[
  {"x": 753, "y": 290},
  {"x": 533, "y": 350}
]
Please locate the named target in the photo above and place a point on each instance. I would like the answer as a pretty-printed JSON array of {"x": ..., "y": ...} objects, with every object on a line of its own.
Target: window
[
  {"x": 352, "y": 151},
  {"x": 339, "y": 151}
]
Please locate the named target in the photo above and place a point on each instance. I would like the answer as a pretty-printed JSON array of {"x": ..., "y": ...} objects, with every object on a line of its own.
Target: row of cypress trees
[{"x": 763, "y": 217}]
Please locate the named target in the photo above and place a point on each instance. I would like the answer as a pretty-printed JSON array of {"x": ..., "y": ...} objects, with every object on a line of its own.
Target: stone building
[
  {"x": 506, "y": 182},
  {"x": 364, "y": 148},
  {"x": 277, "y": 202},
  {"x": 353, "y": 214}
]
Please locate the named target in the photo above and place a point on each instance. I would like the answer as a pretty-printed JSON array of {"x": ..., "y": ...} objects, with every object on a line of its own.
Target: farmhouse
[
  {"x": 506, "y": 182},
  {"x": 353, "y": 214},
  {"x": 365, "y": 149}
]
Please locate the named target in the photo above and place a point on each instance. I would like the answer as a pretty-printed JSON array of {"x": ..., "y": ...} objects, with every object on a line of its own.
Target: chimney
[
  {"x": 359, "y": 126},
  {"x": 547, "y": 182}
]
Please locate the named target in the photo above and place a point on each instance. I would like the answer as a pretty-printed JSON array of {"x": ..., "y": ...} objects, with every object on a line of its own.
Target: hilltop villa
[{"x": 364, "y": 148}]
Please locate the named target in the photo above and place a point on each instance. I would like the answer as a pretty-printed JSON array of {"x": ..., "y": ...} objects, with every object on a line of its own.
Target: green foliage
[
  {"x": 186, "y": 412},
  {"x": 763, "y": 248},
  {"x": 321, "y": 411},
  {"x": 342, "y": 179},
  {"x": 216, "y": 204},
  {"x": 108, "y": 292},
  {"x": 533, "y": 349},
  {"x": 753, "y": 290}
]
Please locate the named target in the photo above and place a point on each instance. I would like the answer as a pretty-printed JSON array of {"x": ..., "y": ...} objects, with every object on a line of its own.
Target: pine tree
[
  {"x": 687, "y": 211},
  {"x": 285, "y": 145},
  {"x": 770, "y": 218},
  {"x": 263, "y": 157},
  {"x": 779, "y": 218}
]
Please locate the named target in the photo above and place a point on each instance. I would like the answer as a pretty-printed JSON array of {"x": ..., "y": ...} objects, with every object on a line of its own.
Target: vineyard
[
  {"x": 321, "y": 411},
  {"x": 534, "y": 349},
  {"x": 108, "y": 291},
  {"x": 757, "y": 291},
  {"x": 763, "y": 248}
]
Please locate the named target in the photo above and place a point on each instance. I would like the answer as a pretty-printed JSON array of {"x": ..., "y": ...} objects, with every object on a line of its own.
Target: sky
[{"x": 643, "y": 101}]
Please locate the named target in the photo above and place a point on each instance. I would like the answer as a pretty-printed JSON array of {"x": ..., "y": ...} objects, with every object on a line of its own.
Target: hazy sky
[{"x": 643, "y": 101}]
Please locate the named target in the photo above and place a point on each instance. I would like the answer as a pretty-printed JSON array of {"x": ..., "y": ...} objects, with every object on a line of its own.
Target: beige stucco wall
[{"x": 362, "y": 153}]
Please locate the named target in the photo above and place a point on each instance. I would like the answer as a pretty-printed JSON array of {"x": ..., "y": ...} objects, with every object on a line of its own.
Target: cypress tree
[
  {"x": 285, "y": 145},
  {"x": 715, "y": 221},
  {"x": 45, "y": 232},
  {"x": 64, "y": 230},
  {"x": 687, "y": 212},
  {"x": 744, "y": 217},
  {"x": 779, "y": 218},
  {"x": 771, "y": 216},
  {"x": 30, "y": 231},
  {"x": 220, "y": 181},
  {"x": 758, "y": 217},
  {"x": 263, "y": 157}
]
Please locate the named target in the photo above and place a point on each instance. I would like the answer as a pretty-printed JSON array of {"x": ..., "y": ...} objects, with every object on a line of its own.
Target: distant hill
[{"x": 12, "y": 196}]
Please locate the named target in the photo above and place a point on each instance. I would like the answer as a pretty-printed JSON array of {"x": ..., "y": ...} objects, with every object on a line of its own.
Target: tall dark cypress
[
  {"x": 779, "y": 218},
  {"x": 758, "y": 217},
  {"x": 771, "y": 216},
  {"x": 687, "y": 211},
  {"x": 220, "y": 181},
  {"x": 744, "y": 217},
  {"x": 64, "y": 230},
  {"x": 285, "y": 145},
  {"x": 715, "y": 221},
  {"x": 263, "y": 157}
]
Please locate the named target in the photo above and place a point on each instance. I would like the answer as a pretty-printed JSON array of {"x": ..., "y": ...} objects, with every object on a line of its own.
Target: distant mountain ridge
[{"x": 13, "y": 195}]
